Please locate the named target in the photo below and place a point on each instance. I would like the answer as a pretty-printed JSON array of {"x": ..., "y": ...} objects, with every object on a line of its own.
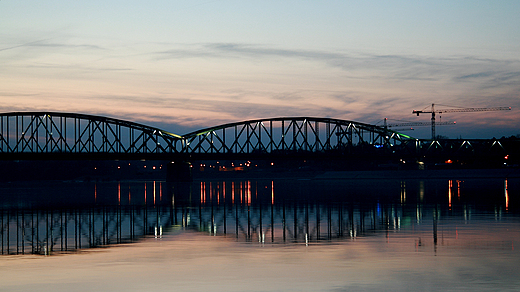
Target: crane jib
[{"x": 455, "y": 110}]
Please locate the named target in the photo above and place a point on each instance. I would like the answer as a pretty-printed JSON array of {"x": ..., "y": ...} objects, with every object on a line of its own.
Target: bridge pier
[{"x": 179, "y": 171}]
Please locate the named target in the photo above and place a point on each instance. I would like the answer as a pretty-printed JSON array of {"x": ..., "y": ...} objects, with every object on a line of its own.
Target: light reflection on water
[
  {"x": 68, "y": 216},
  {"x": 408, "y": 221}
]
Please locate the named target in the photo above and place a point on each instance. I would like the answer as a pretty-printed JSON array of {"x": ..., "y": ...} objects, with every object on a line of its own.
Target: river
[{"x": 297, "y": 234}]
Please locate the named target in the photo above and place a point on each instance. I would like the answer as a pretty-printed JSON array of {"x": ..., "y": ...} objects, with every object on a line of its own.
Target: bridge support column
[{"x": 179, "y": 171}]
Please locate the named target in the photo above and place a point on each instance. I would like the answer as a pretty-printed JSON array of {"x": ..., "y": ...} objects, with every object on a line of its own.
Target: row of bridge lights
[
  {"x": 246, "y": 164},
  {"x": 219, "y": 166},
  {"x": 203, "y": 165},
  {"x": 144, "y": 167}
]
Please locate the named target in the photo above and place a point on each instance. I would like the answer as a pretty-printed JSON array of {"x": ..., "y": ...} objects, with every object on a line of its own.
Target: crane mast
[{"x": 456, "y": 110}]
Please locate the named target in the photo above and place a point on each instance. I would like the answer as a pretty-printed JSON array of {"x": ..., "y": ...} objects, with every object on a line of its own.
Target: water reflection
[
  {"x": 50, "y": 217},
  {"x": 506, "y": 195}
]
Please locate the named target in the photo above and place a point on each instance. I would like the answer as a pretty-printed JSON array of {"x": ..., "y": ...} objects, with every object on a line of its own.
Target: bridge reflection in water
[{"x": 38, "y": 219}]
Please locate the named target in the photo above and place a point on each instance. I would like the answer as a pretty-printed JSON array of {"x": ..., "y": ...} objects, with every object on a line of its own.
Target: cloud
[
  {"x": 246, "y": 81},
  {"x": 51, "y": 43},
  {"x": 199, "y": 112},
  {"x": 362, "y": 65},
  {"x": 76, "y": 67},
  {"x": 508, "y": 76},
  {"x": 477, "y": 75}
]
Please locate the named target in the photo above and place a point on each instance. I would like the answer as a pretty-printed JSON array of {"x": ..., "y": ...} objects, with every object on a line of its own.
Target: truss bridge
[
  {"x": 53, "y": 135},
  {"x": 48, "y": 134}
]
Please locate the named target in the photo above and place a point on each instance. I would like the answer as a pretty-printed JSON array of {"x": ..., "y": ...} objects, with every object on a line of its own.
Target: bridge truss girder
[
  {"x": 290, "y": 136},
  {"x": 66, "y": 133}
]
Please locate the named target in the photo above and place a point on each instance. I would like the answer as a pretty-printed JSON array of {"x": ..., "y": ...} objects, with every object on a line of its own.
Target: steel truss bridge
[{"x": 53, "y": 135}]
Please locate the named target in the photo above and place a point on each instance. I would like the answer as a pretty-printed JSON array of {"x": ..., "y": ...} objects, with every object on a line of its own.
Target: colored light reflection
[
  {"x": 241, "y": 187},
  {"x": 421, "y": 191},
  {"x": 241, "y": 192},
  {"x": 458, "y": 189},
  {"x": 506, "y": 193},
  {"x": 233, "y": 192},
  {"x": 272, "y": 192},
  {"x": 450, "y": 186},
  {"x": 249, "y": 193},
  {"x": 403, "y": 192},
  {"x": 202, "y": 191}
]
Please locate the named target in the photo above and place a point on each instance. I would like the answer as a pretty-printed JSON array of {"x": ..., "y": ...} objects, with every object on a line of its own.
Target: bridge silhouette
[{"x": 54, "y": 135}]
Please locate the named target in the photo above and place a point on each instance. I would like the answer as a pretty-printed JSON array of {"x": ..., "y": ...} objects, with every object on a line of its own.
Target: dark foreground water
[{"x": 261, "y": 235}]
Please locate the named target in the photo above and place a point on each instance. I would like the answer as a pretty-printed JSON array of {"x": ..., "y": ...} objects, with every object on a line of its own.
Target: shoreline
[
  {"x": 422, "y": 174},
  {"x": 368, "y": 174}
]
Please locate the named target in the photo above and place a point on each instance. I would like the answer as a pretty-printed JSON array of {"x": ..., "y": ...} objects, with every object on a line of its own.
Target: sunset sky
[{"x": 183, "y": 65}]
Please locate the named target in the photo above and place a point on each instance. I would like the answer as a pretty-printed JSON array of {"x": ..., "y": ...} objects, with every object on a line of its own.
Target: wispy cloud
[
  {"x": 25, "y": 44},
  {"x": 81, "y": 67},
  {"x": 390, "y": 67},
  {"x": 50, "y": 43},
  {"x": 477, "y": 75}
]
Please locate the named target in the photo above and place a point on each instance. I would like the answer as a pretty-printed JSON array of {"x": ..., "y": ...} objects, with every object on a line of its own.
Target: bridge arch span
[
  {"x": 26, "y": 135},
  {"x": 56, "y": 133},
  {"x": 290, "y": 135}
]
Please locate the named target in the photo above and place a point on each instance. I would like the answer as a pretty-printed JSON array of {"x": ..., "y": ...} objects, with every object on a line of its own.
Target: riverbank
[
  {"x": 422, "y": 174},
  {"x": 366, "y": 174}
]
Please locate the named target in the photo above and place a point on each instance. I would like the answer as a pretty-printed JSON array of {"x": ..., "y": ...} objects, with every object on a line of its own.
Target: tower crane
[
  {"x": 412, "y": 124},
  {"x": 456, "y": 110}
]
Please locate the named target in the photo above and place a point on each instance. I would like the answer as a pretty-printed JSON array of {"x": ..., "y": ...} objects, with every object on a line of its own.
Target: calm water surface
[{"x": 261, "y": 235}]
